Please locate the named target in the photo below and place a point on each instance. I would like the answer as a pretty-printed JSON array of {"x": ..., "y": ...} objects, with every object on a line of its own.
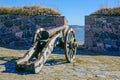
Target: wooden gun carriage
[{"x": 43, "y": 43}]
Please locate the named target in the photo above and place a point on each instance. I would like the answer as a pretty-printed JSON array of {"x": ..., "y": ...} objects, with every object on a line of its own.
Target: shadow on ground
[
  {"x": 9, "y": 65},
  {"x": 84, "y": 52},
  {"x": 16, "y": 47},
  {"x": 60, "y": 50},
  {"x": 53, "y": 62},
  {"x": 95, "y": 53}
]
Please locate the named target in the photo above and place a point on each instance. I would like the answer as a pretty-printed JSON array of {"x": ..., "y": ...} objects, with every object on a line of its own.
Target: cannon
[{"x": 43, "y": 43}]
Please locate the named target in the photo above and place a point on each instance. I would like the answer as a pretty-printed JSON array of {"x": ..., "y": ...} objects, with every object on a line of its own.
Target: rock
[
  {"x": 15, "y": 28},
  {"x": 102, "y": 33}
]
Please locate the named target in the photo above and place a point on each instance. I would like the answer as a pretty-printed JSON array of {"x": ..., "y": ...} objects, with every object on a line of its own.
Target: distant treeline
[
  {"x": 107, "y": 12},
  {"x": 29, "y": 11}
]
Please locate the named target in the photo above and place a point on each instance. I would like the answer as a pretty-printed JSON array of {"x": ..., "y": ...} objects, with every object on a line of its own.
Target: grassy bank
[{"x": 29, "y": 11}]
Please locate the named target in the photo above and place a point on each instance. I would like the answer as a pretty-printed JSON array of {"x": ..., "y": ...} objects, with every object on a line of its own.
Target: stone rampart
[
  {"x": 102, "y": 33},
  {"x": 18, "y": 30}
]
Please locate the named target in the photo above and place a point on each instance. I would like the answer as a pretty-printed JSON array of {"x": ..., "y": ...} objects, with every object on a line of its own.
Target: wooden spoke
[{"x": 70, "y": 50}]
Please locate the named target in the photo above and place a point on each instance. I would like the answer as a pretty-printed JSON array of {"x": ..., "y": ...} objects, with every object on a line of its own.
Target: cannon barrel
[
  {"x": 45, "y": 34},
  {"x": 55, "y": 30}
]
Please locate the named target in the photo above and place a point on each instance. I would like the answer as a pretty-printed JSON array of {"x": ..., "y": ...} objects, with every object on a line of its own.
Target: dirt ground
[{"x": 84, "y": 67}]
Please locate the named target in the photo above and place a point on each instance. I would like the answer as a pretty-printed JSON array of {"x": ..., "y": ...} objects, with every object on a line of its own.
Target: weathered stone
[
  {"x": 16, "y": 30},
  {"x": 102, "y": 33}
]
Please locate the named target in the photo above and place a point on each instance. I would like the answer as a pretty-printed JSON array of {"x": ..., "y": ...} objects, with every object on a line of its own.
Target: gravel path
[{"x": 56, "y": 68}]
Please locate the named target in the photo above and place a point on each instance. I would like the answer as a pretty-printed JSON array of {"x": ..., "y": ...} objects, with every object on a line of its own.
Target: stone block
[
  {"x": 18, "y": 30},
  {"x": 104, "y": 30}
]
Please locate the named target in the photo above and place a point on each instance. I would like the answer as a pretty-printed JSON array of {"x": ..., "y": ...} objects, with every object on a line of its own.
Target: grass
[
  {"x": 29, "y": 11},
  {"x": 107, "y": 12}
]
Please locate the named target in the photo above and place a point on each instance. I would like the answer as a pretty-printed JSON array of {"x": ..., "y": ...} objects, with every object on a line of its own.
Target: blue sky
[{"x": 74, "y": 10}]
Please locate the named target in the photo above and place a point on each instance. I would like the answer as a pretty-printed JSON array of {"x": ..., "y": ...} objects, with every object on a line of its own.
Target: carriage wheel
[{"x": 69, "y": 45}]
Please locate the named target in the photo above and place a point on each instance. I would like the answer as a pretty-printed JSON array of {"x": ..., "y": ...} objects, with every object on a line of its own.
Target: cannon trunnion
[{"x": 43, "y": 43}]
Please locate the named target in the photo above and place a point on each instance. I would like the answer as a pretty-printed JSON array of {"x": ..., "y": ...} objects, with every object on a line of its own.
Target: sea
[{"x": 79, "y": 32}]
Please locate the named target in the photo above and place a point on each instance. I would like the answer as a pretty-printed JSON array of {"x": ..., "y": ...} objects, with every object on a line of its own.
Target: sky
[{"x": 74, "y": 10}]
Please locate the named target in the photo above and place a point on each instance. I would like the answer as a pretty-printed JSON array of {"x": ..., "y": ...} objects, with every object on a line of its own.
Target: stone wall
[
  {"x": 18, "y": 30},
  {"x": 102, "y": 33}
]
